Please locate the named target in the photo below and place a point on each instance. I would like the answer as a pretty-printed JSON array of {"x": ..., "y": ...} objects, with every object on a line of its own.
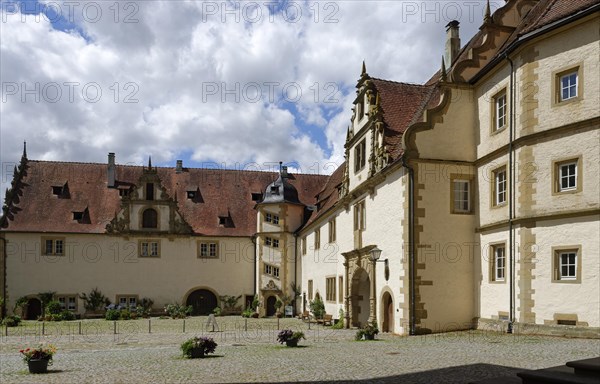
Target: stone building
[{"x": 468, "y": 201}]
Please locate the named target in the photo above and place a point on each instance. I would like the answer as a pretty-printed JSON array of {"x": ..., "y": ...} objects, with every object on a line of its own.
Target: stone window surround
[
  {"x": 492, "y": 262},
  {"x": 557, "y": 88},
  {"x": 208, "y": 244},
  {"x": 556, "y": 174},
  {"x": 54, "y": 239},
  {"x": 461, "y": 177},
  {"x": 556, "y": 251},
  {"x": 148, "y": 241}
]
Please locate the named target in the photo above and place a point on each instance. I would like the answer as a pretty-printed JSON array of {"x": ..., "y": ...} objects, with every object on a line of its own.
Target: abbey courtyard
[{"x": 466, "y": 205}]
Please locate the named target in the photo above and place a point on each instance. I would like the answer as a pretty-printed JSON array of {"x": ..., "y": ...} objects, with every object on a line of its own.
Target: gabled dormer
[{"x": 148, "y": 208}]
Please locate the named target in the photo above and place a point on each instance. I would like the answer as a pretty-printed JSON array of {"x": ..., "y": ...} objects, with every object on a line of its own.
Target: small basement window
[{"x": 566, "y": 322}]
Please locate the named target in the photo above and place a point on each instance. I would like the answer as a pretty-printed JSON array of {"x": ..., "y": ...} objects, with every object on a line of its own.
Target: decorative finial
[
  {"x": 149, "y": 162},
  {"x": 488, "y": 13},
  {"x": 24, "y": 149},
  {"x": 443, "y": 72},
  {"x": 364, "y": 68},
  {"x": 280, "y": 166}
]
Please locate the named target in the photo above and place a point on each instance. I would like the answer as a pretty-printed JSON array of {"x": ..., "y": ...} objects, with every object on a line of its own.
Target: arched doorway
[
  {"x": 271, "y": 306},
  {"x": 387, "y": 305},
  {"x": 34, "y": 309},
  {"x": 360, "y": 297},
  {"x": 202, "y": 301}
]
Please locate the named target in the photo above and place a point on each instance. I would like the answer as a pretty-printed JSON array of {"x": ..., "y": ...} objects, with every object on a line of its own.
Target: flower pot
[
  {"x": 197, "y": 353},
  {"x": 38, "y": 365},
  {"x": 291, "y": 342},
  {"x": 369, "y": 337}
]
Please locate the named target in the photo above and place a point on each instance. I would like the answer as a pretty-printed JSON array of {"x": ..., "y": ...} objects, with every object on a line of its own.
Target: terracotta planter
[
  {"x": 291, "y": 342},
  {"x": 38, "y": 365}
]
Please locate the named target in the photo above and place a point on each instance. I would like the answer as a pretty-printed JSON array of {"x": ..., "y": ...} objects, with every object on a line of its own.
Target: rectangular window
[
  {"x": 500, "y": 111},
  {"x": 268, "y": 269},
  {"x": 275, "y": 220},
  {"x": 461, "y": 196},
  {"x": 330, "y": 288},
  {"x": 208, "y": 249},
  {"x": 310, "y": 290},
  {"x": 332, "y": 234},
  {"x": 360, "y": 155},
  {"x": 341, "y": 289},
  {"x": 127, "y": 301},
  {"x": 317, "y": 238},
  {"x": 303, "y": 245},
  {"x": 268, "y": 217},
  {"x": 568, "y": 86},
  {"x": 499, "y": 186},
  {"x": 498, "y": 262},
  {"x": 568, "y": 176},
  {"x": 567, "y": 264},
  {"x": 67, "y": 302},
  {"x": 53, "y": 246},
  {"x": 271, "y": 242},
  {"x": 149, "y": 191},
  {"x": 359, "y": 216},
  {"x": 149, "y": 248},
  {"x": 275, "y": 243}
]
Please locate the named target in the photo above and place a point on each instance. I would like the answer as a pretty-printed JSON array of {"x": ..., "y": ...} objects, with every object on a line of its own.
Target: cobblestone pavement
[{"x": 136, "y": 356}]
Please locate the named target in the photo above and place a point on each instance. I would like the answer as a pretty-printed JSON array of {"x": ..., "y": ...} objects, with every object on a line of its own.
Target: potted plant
[
  {"x": 289, "y": 337},
  {"x": 368, "y": 332},
  {"x": 38, "y": 359},
  {"x": 197, "y": 347}
]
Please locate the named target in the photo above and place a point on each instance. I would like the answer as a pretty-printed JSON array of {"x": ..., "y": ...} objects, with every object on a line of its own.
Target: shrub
[
  {"x": 125, "y": 315},
  {"x": 197, "y": 346},
  {"x": 94, "y": 301},
  {"x": 178, "y": 311},
  {"x": 53, "y": 307},
  {"x": 317, "y": 307},
  {"x": 112, "y": 314},
  {"x": 12, "y": 321},
  {"x": 368, "y": 332},
  {"x": 67, "y": 315},
  {"x": 217, "y": 311},
  {"x": 248, "y": 312},
  {"x": 340, "y": 323}
]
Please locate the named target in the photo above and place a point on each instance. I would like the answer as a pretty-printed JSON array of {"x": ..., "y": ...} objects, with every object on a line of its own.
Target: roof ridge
[
  {"x": 165, "y": 167},
  {"x": 401, "y": 82}
]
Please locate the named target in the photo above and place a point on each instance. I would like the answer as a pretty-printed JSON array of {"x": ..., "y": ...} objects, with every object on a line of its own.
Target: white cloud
[{"x": 167, "y": 60}]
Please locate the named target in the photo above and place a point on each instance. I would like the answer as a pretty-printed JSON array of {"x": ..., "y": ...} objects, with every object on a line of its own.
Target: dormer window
[
  {"x": 149, "y": 191},
  {"x": 191, "y": 195},
  {"x": 77, "y": 216},
  {"x": 123, "y": 192},
  {"x": 150, "y": 218},
  {"x": 275, "y": 190},
  {"x": 57, "y": 191},
  {"x": 257, "y": 196},
  {"x": 61, "y": 192},
  {"x": 226, "y": 221}
]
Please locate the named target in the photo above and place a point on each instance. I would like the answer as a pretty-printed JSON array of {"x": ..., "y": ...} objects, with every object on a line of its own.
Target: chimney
[
  {"x": 111, "y": 170},
  {"x": 452, "y": 42},
  {"x": 179, "y": 166}
]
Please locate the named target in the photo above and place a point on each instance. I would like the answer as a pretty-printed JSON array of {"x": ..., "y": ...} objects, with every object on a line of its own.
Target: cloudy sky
[{"x": 215, "y": 83}]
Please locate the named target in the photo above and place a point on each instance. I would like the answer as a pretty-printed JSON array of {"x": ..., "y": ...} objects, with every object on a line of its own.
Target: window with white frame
[
  {"x": 208, "y": 249},
  {"x": 360, "y": 156},
  {"x": 310, "y": 290},
  {"x": 303, "y": 245},
  {"x": 499, "y": 189},
  {"x": 53, "y": 246},
  {"x": 568, "y": 86},
  {"x": 500, "y": 110},
  {"x": 271, "y": 242},
  {"x": 461, "y": 196},
  {"x": 67, "y": 302},
  {"x": 332, "y": 234},
  {"x": 359, "y": 216},
  {"x": 127, "y": 301},
  {"x": 149, "y": 248},
  {"x": 567, "y": 173},
  {"x": 498, "y": 262},
  {"x": 567, "y": 265},
  {"x": 330, "y": 288},
  {"x": 317, "y": 238}
]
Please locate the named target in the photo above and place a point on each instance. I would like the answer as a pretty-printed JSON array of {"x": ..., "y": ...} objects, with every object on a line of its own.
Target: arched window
[{"x": 149, "y": 218}]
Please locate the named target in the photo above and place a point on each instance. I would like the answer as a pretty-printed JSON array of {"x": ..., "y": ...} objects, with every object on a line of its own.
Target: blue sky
[{"x": 82, "y": 79}]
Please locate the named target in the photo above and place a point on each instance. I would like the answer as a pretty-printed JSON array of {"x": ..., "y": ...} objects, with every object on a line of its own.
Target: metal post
[
  {"x": 246, "y": 324},
  {"x": 278, "y": 328},
  {"x": 114, "y": 327},
  {"x": 80, "y": 327},
  {"x": 183, "y": 325},
  {"x": 149, "y": 326},
  {"x": 43, "y": 328}
]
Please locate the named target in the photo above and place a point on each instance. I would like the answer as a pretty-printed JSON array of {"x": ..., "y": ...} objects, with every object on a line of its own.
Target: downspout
[
  {"x": 511, "y": 256},
  {"x": 411, "y": 245},
  {"x": 295, "y": 269},
  {"x": 3, "y": 309}
]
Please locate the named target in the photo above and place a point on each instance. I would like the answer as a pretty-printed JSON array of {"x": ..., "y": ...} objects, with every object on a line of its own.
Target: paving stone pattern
[{"x": 135, "y": 356}]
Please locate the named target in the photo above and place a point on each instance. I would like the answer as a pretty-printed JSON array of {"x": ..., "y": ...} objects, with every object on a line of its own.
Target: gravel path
[{"x": 135, "y": 356}]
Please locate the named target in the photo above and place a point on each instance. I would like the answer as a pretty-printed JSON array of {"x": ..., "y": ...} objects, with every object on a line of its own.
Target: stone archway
[
  {"x": 202, "y": 301},
  {"x": 360, "y": 297},
  {"x": 34, "y": 309},
  {"x": 387, "y": 306},
  {"x": 360, "y": 284}
]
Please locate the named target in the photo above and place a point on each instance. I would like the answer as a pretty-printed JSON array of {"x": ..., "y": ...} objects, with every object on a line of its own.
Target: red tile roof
[{"x": 223, "y": 192}]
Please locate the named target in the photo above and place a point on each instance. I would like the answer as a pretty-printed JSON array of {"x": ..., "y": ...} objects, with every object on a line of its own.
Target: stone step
[{"x": 587, "y": 367}]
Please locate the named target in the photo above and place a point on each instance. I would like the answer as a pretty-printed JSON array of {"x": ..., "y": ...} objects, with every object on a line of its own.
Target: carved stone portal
[{"x": 360, "y": 287}]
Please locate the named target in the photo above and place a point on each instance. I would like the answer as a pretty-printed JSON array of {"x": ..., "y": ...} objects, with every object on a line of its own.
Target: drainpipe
[
  {"x": 3, "y": 309},
  {"x": 411, "y": 245},
  {"x": 255, "y": 276},
  {"x": 295, "y": 268},
  {"x": 511, "y": 183}
]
